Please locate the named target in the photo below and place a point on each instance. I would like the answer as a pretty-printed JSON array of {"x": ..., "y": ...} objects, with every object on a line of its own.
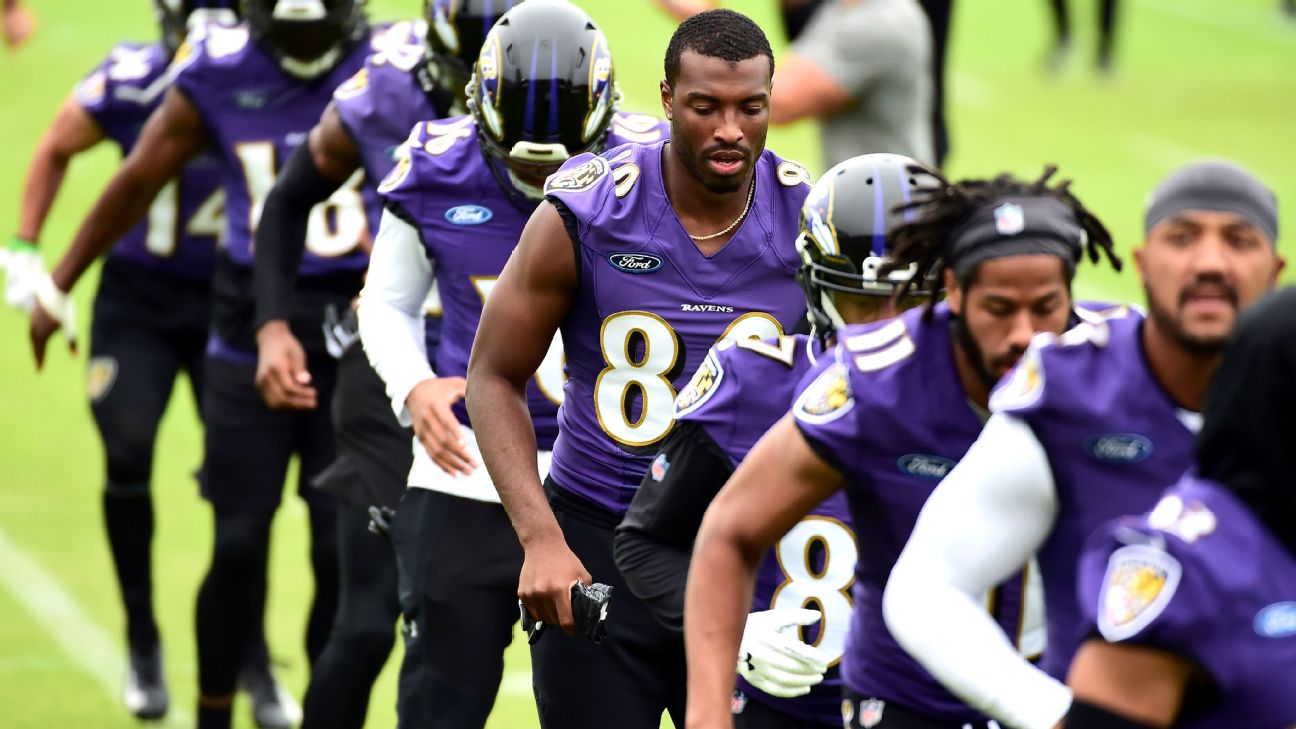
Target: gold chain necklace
[{"x": 751, "y": 193}]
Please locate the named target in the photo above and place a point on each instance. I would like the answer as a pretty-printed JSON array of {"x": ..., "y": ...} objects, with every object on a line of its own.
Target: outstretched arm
[
  {"x": 314, "y": 171},
  {"x": 981, "y": 524},
  {"x": 73, "y": 131},
  {"x": 174, "y": 134},
  {"x": 776, "y": 484},
  {"x": 533, "y": 294}
]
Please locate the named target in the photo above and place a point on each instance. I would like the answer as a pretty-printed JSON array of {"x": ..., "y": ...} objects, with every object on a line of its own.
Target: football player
[
  {"x": 892, "y": 409},
  {"x": 151, "y": 314},
  {"x": 1099, "y": 422},
  {"x": 254, "y": 91},
  {"x": 742, "y": 388},
  {"x": 1189, "y": 608},
  {"x": 456, "y": 204},
  {"x": 419, "y": 75},
  {"x": 643, "y": 257}
]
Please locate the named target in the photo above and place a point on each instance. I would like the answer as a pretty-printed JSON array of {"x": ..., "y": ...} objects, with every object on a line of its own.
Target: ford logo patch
[
  {"x": 469, "y": 215},
  {"x": 1119, "y": 447},
  {"x": 1277, "y": 621},
  {"x": 933, "y": 468},
  {"x": 635, "y": 262}
]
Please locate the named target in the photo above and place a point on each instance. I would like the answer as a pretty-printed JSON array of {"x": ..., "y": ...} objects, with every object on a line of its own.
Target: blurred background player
[
  {"x": 456, "y": 205},
  {"x": 882, "y": 418},
  {"x": 19, "y": 23},
  {"x": 1108, "y": 12},
  {"x": 151, "y": 311},
  {"x": 418, "y": 75},
  {"x": 254, "y": 90},
  {"x": 1099, "y": 422},
  {"x": 644, "y": 257},
  {"x": 743, "y": 387},
  {"x": 859, "y": 70},
  {"x": 1164, "y": 649}
]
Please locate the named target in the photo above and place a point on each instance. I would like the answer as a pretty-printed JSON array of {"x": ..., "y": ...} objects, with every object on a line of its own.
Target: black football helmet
[
  {"x": 308, "y": 37},
  {"x": 542, "y": 89},
  {"x": 177, "y": 16},
  {"x": 846, "y": 222},
  {"x": 455, "y": 32}
]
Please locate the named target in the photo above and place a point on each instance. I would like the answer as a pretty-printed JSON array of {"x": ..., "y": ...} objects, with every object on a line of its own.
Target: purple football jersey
[
  {"x": 178, "y": 236},
  {"x": 742, "y": 388},
  {"x": 1114, "y": 440},
  {"x": 470, "y": 226},
  {"x": 888, "y": 410},
  {"x": 257, "y": 114},
  {"x": 1157, "y": 580},
  {"x": 651, "y": 305}
]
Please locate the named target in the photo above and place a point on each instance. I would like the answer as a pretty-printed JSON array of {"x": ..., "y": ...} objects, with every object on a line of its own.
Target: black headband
[
  {"x": 1217, "y": 185},
  {"x": 1015, "y": 225}
]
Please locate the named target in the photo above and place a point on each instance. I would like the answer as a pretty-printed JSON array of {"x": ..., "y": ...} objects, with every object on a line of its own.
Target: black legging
[
  {"x": 364, "y": 629},
  {"x": 1106, "y": 26}
]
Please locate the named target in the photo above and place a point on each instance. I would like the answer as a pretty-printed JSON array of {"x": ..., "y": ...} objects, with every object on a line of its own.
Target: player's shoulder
[
  {"x": 215, "y": 45},
  {"x": 127, "y": 75},
  {"x": 436, "y": 155},
  {"x": 637, "y": 128},
  {"x": 1060, "y": 368},
  {"x": 738, "y": 369},
  {"x": 791, "y": 178},
  {"x": 396, "y": 51},
  {"x": 586, "y": 181}
]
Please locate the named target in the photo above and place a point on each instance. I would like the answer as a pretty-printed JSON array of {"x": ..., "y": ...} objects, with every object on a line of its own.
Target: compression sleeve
[
  {"x": 655, "y": 539},
  {"x": 391, "y": 310},
  {"x": 981, "y": 524},
  {"x": 281, "y": 233}
]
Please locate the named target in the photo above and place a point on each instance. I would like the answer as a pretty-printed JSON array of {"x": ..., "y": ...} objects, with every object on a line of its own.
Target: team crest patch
[
  {"x": 1140, "y": 582},
  {"x": 699, "y": 388},
  {"x": 1010, "y": 219},
  {"x": 827, "y": 398},
  {"x": 870, "y": 712},
  {"x": 847, "y": 712},
  {"x": 353, "y": 86},
  {"x": 100, "y": 376},
  {"x": 579, "y": 178}
]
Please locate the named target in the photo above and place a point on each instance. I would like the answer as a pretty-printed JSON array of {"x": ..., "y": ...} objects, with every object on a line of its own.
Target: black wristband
[{"x": 281, "y": 233}]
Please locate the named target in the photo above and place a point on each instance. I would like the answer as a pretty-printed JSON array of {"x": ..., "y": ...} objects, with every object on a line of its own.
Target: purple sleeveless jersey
[
  {"x": 378, "y": 106},
  {"x": 178, "y": 236},
  {"x": 888, "y": 410},
  {"x": 1157, "y": 580},
  {"x": 742, "y": 388},
  {"x": 1114, "y": 441},
  {"x": 651, "y": 305},
  {"x": 470, "y": 225},
  {"x": 257, "y": 114}
]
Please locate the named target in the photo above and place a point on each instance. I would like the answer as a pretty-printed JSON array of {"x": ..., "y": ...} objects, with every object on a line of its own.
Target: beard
[
  {"x": 1169, "y": 322},
  {"x": 985, "y": 367},
  {"x": 695, "y": 163}
]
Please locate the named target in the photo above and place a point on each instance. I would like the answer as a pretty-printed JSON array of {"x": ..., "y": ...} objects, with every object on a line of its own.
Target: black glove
[
  {"x": 589, "y": 610},
  {"x": 380, "y": 518},
  {"x": 341, "y": 330}
]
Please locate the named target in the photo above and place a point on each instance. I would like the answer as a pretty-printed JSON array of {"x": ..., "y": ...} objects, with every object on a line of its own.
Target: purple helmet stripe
[
  {"x": 528, "y": 122},
  {"x": 879, "y": 214},
  {"x": 552, "y": 127}
]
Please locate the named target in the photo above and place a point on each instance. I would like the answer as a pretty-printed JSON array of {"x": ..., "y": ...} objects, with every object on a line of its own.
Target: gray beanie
[{"x": 1214, "y": 185}]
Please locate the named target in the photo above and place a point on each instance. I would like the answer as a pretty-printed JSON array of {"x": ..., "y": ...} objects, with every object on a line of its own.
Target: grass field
[{"x": 1194, "y": 78}]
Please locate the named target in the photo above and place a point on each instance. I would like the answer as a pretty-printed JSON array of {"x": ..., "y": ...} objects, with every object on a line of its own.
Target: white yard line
[{"x": 82, "y": 640}]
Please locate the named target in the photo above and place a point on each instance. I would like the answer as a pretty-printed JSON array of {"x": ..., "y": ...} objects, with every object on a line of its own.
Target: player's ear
[
  {"x": 953, "y": 292},
  {"x": 667, "y": 99},
  {"x": 1139, "y": 264}
]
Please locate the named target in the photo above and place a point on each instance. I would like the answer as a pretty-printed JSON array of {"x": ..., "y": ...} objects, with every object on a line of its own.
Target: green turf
[{"x": 1195, "y": 78}]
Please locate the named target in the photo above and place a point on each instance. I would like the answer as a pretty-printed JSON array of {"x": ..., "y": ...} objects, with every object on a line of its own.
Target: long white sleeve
[
  {"x": 981, "y": 524},
  {"x": 391, "y": 311}
]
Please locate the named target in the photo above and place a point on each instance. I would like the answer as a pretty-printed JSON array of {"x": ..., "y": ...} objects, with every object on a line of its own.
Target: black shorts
[
  {"x": 374, "y": 453},
  {"x": 862, "y": 712},
  {"x": 636, "y": 673},
  {"x": 248, "y": 445},
  {"x": 147, "y": 327},
  {"x": 457, "y": 562},
  {"x": 749, "y": 714}
]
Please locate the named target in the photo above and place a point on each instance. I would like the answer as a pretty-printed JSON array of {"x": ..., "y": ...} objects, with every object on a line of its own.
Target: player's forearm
[
  {"x": 395, "y": 343},
  {"x": 501, "y": 420},
  {"x": 950, "y": 633},
  {"x": 44, "y": 178},
  {"x": 716, "y": 602},
  {"x": 123, "y": 203}
]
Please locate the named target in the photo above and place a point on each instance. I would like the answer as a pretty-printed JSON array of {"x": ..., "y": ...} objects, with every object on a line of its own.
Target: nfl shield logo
[
  {"x": 1009, "y": 219},
  {"x": 870, "y": 712}
]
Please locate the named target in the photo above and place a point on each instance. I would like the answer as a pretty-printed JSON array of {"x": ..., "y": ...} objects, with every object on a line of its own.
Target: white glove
[
  {"x": 58, "y": 304},
  {"x": 24, "y": 269},
  {"x": 772, "y": 656}
]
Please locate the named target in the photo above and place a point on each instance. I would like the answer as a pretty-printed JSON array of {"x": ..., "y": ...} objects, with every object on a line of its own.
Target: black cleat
[
  {"x": 272, "y": 706},
  {"x": 145, "y": 694}
]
